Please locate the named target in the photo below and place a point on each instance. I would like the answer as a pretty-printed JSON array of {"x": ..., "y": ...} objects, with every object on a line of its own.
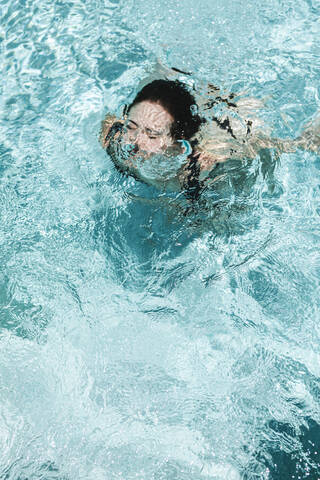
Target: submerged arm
[
  {"x": 309, "y": 140},
  {"x": 221, "y": 147},
  {"x": 106, "y": 125}
]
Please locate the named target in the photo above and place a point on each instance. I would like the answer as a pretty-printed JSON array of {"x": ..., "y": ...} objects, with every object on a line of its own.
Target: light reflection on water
[{"x": 141, "y": 336}]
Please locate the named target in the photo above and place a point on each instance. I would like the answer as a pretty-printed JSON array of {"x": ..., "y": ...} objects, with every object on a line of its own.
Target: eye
[
  {"x": 153, "y": 135},
  {"x": 130, "y": 127}
]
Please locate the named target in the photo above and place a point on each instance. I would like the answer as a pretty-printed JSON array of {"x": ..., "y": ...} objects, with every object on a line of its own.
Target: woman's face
[{"x": 147, "y": 128}]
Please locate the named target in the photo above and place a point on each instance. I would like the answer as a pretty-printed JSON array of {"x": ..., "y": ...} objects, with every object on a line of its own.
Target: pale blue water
[{"x": 138, "y": 341}]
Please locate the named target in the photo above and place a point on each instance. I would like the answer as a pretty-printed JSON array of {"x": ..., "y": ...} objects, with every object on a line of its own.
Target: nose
[{"x": 141, "y": 141}]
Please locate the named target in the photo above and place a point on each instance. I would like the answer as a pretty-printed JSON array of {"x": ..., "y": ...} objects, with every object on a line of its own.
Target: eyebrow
[{"x": 149, "y": 130}]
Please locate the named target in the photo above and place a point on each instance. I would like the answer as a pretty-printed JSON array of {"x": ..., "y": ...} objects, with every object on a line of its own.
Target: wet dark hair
[{"x": 176, "y": 99}]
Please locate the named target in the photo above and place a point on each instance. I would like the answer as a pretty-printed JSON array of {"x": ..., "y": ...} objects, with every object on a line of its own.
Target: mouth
[{"x": 130, "y": 148}]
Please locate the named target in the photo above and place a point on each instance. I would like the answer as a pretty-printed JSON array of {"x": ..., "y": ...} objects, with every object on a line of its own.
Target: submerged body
[{"x": 173, "y": 146}]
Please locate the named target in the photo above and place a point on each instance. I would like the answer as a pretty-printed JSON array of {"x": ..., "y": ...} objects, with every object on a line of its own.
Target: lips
[
  {"x": 134, "y": 149},
  {"x": 130, "y": 148}
]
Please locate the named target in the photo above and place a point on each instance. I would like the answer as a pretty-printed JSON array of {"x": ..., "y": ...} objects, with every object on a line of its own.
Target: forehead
[{"x": 150, "y": 115}]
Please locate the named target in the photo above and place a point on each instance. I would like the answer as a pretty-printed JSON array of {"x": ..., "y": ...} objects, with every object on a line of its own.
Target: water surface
[{"x": 141, "y": 338}]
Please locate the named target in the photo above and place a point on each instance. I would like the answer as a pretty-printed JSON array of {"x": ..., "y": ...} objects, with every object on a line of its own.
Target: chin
[{"x": 146, "y": 155}]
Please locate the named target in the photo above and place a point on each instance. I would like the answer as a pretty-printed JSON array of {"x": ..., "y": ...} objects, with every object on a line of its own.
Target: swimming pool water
[{"x": 142, "y": 339}]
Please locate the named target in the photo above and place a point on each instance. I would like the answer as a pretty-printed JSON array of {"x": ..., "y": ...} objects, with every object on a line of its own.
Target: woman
[{"x": 167, "y": 137}]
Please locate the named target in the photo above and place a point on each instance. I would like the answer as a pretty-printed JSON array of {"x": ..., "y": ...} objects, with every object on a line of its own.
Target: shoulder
[{"x": 229, "y": 132}]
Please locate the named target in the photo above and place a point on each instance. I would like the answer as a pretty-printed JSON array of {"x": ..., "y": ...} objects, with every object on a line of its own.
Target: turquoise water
[{"x": 141, "y": 339}]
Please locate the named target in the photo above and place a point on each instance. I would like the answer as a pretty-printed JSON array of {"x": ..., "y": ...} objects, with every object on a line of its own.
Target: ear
[{"x": 186, "y": 145}]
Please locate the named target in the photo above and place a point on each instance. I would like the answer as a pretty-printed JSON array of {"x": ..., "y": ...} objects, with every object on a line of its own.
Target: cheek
[
  {"x": 151, "y": 145},
  {"x": 161, "y": 143},
  {"x": 155, "y": 144}
]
